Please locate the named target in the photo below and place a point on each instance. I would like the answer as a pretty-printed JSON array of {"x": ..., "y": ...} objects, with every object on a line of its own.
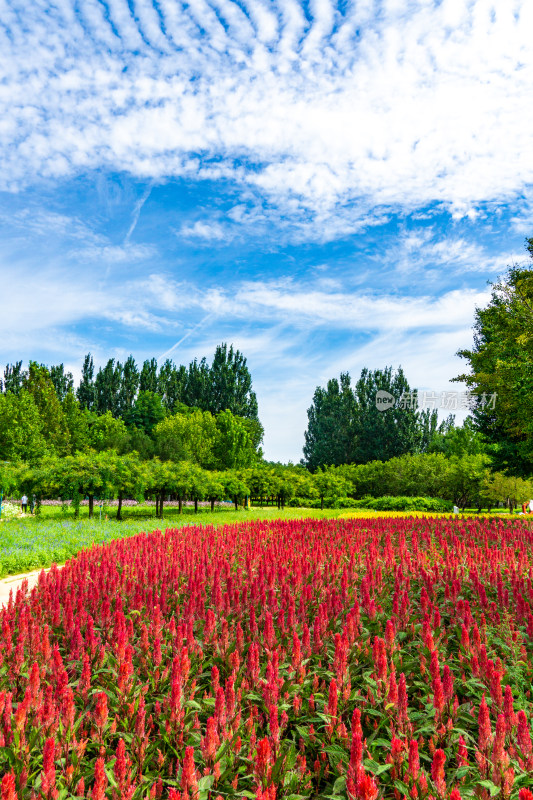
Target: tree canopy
[
  {"x": 345, "y": 424},
  {"x": 501, "y": 370}
]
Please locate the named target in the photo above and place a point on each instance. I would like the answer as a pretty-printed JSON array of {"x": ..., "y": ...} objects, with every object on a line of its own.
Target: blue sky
[{"x": 326, "y": 185}]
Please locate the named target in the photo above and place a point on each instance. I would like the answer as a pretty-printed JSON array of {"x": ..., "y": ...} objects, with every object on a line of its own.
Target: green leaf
[
  {"x": 205, "y": 783},
  {"x": 493, "y": 789},
  {"x": 339, "y": 785},
  {"x": 402, "y": 787}
]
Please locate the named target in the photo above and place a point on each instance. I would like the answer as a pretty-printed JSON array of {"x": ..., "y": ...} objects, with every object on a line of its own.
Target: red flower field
[{"x": 291, "y": 659}]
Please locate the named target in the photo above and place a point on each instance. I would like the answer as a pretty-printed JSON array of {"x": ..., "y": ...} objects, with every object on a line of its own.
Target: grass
[{"x": 32, "y": 542}]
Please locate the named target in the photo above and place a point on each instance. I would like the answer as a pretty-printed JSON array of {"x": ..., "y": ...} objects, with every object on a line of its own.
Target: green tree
[
  {"x": 331, "y": 485},
  {"x": 188, "y": 437},
  {"x": 429, "y": 428},
  {"x": 458, "y": 441},
  {"x": 231, "y": 384},
  {"x": 127, "y": 476},
  {"x": 14, "y": 377},
  {"x": 233, "y": 446},
  {"x": 39, "y": 385},
  {"x": 501, "y": 370},
  {"x": 86, "y": 392},
  {"x": 384, "y": 434},
  {"x": 162, "y": 478},
  {"x": 214, "y": 488},
  {"x": 147, "y": 411},
  {"x": 171, "y": 383},
  {"x": 508, "y": 489},
  {"x": 198, "y": 385},
  {"x": 108, "y": 387},
  {"x": 63, "y": 381},
  {"x": 107, "y": 433},
  {"x": 77, "y": 422},
  {"x": 465, "y": 479},
  {"x": 76, "y": 477},
  {"x": 22, "y": 435},
  {"x": 129, "y": 386},
  {"x": 148, "y": 376},
  {"x": 330, "y": 434},
  {"x": 235, "y": 486}
]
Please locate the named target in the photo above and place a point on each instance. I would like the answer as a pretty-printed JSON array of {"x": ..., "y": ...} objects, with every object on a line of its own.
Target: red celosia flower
[
  {"x": 189, "y": 781},
  {"x": 485, "y": 730},
  {"x": 366, "y": 787},
  {"x": 101, "y": 712},
  {"x": 414, "y": 760},
  {"x": 210, "y": 742},
  {"x": 263, "y": 760},
  {"x": 48, "y": 775},
  {"x": 437, "y": 772},
  {"x": 100, "y": 780},
  {"x": 8, "y": 791}
]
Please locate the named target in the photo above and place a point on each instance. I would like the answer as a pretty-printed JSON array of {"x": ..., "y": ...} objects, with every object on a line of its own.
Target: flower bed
[
  {"x": 282, "y": 659},
  {"x": 10, "y": 510}
]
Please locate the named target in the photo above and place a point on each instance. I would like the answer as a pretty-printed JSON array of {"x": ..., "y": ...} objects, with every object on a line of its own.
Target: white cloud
[
  {"x": 209, "y": 231},
  {"x": 384, "y": 105}
]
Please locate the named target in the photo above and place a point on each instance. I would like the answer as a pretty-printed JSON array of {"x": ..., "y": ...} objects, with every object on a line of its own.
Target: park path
[{"x": 12, "y": 582}]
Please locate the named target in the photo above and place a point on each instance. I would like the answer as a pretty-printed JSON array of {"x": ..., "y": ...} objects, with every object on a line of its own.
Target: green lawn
[{"x": 55, "y": 536}]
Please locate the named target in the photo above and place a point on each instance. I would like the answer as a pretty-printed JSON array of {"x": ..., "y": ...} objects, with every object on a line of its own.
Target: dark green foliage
[
  {"x": 108, "y": 387},
  {"x": 501, "y": 368},
  {"x": 147, "y": 411},
  {"x": 86, "y": 391},
  {"x": 330, "y": 435},
  {"x": 383, "y": 434},
  {"x": 230, "y": 384},
  {"x": 148, "y": 377},
  {"x": 171, "y": 383},
  {"x": 14, "y": 377},
  {"x": 129, "y": 386},
  {"x": 346, "y": 426},
  {"x": 63, "y": 381}
]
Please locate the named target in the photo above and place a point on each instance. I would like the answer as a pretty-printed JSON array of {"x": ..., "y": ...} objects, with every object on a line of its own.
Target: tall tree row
[
  {"x": 224, "y": 384},
  {"x": 347, "y": 426}
]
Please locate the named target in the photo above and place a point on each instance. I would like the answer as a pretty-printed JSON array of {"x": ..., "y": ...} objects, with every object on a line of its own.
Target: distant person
[
  {"x": 32, "y": 503},
  {"x": 531, "y": 506},
  {"x": 24, "y": 504}
]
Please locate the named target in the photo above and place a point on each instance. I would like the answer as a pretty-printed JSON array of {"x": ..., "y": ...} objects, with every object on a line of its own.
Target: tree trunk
[
  {"x": 161, "y": 505},
  {"x": 322, "y": 504},
  {"x": 91, "y": 506},
  {"x": 157, "y": 505},
  {"x": 196, "y": 505},
  {"x": 180, "y": 505},
  {"x": 119, "y": 507},
  {"x": 236, "y": 502},
  {"x": 212, "y": 504}
]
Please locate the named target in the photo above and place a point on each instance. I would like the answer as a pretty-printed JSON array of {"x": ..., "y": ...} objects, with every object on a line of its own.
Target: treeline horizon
[
  {"x": 125, "y": 409},
  {"x": 223, "y": 385}
]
